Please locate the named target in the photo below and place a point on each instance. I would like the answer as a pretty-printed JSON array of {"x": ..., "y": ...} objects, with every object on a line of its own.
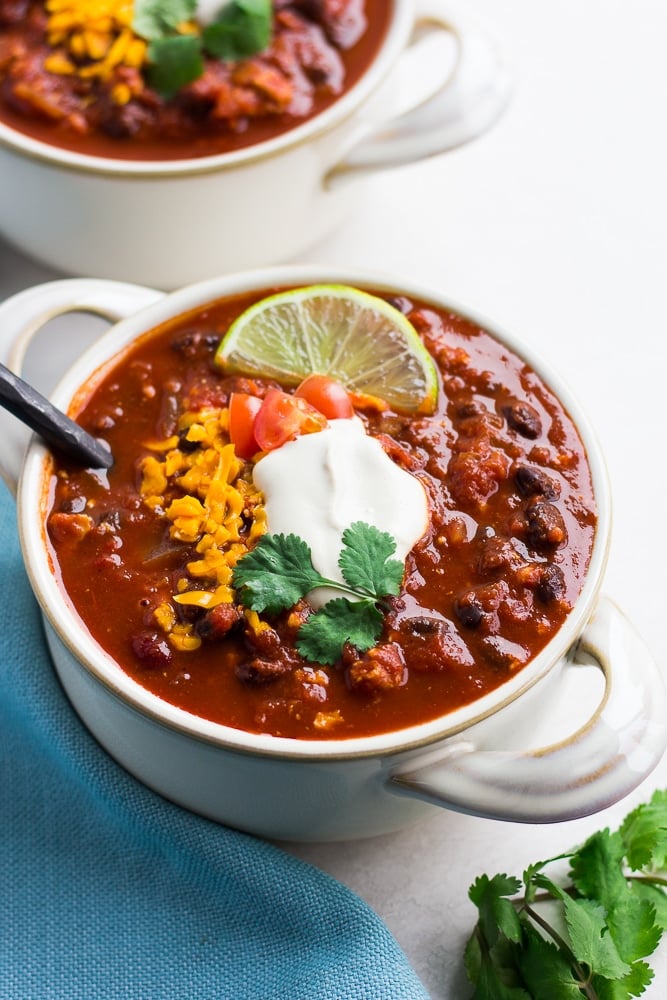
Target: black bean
[
  {"x": 468, "y": 611},
  {"x": 152, "y": 649},
  {"x": 551, "y": 586},
  {"x": 503, "y": 654},
  {"x": 194, "y": 343},
  {"x": 535, "y": 482},
  {"x": 523, "y": 418},
  {"x": 111, "y": 520},
  {"x": 401, "y": 303},
  {"x": 545, "y": 525},
  {"x": 74, "y": 505},
  {"x": 187, "y": 446},
  {"x": 424, "y": 626}
]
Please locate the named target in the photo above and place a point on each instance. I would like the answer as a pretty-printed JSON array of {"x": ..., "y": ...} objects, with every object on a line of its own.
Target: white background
[{"x": 554, "y": 225}]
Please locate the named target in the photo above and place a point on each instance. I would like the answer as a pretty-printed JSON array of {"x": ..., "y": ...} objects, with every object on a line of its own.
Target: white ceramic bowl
[
  {"x": 170, "y": 223},
  {"x": 550, "y": 744}
]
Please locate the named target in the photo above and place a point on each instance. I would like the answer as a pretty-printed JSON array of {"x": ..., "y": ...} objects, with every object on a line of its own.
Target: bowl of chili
[
  {"x": 469, "y": 695},
  {"x": 141, "y": 150}
]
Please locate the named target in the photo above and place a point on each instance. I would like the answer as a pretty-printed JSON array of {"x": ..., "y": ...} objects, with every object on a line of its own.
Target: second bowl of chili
[{"x": 246, "y": 165}]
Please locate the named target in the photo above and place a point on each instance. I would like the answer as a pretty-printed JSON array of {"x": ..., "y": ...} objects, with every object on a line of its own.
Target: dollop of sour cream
[{"x": 319, "y": 484}]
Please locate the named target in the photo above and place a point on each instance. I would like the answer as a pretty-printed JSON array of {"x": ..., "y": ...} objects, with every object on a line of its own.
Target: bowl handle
[
  {"x": 23, "y": 315},
  {"x": 468, "y": 103},
  {"x": 603, "y": 761}
]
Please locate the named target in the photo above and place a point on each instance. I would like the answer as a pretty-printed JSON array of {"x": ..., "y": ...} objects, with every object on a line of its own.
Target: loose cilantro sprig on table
[
  {"x": 609, "y": 916},
  {"x": 241, "y": 29},
  {"x": 279, "y": 571}
]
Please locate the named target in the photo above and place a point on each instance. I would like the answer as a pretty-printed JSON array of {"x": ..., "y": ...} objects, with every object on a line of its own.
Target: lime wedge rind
[{"x": 336, "y": 330}]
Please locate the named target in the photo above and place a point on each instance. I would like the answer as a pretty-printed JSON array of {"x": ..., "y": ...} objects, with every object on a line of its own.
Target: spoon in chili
[{"x": 57, "y": 429}]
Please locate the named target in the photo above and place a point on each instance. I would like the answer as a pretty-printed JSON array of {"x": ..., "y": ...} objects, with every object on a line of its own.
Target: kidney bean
[
  {"x": 258, "y": 671},
  {"x": 497, "y": 554},
  {"x": 152, "y": 649},
  {"x": 266, "y": 642},
  {"x": 217, "y": 622},
  {"x": 14, "y": 11}
]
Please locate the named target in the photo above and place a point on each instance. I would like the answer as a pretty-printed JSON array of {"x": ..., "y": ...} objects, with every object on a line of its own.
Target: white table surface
[{"x": 555, "y": 226}]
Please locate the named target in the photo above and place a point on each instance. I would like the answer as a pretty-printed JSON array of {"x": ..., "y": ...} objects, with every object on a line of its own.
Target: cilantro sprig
[
  {"x": 241, "y": 29},
  {"x": 592, "y": 937},
  {"x": 279, "y": 571}
]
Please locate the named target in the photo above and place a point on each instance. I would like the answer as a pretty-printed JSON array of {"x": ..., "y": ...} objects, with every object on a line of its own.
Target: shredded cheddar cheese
[
  {"x": 211, "y": 502},
  {"x": 92, "y": 39}
]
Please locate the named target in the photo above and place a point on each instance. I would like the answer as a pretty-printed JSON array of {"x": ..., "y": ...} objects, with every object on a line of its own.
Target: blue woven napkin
[{"x": 108, "y": 891}]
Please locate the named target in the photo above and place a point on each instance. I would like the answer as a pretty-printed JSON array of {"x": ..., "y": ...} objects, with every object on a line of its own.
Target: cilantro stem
[
  {"x": 361, "y": 592},
  {"x": 584, "y": 978},
  {"x": 648, "y": 879},
  {"x": 346, "y": 589}
]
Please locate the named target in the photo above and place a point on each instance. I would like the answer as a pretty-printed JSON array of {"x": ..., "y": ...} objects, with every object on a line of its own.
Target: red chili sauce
[
  {"x": 512, "y": 522},
  {"x": 319, "y": 50}
]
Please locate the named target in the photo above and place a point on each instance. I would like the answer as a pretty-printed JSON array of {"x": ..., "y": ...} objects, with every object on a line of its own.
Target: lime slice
[{"x": 335, "y": 330}]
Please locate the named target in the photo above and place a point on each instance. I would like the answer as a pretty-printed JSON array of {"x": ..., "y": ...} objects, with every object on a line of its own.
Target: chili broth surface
[{"x": 512, "y": 524}]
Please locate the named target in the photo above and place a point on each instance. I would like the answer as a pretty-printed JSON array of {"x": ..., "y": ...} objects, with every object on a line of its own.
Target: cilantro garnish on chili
[
  {"x": 279, "y": 571},
  {"x": 176, "y": 56}
]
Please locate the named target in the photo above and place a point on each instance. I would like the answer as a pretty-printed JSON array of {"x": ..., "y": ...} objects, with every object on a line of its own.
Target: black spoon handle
[{"x": 52, "y": 424}]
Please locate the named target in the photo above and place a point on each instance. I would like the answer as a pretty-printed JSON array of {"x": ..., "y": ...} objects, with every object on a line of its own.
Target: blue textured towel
[{"x": 108, "y": 891}]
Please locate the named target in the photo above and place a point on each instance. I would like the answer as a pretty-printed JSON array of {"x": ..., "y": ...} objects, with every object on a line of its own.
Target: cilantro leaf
[
  {"x": 596, "y": 868},
  {"x": 591, "y": 941},
  {"x": 490, "y": 986},
  {"x": 633, "y": 928},
  {"x": 365, "y": 562},
  {"x": 546, "y": 971},
  {"x": 241, "y": 29},
  {"x": 323, "y": 635},
  {"x": 656, "y": 896},
  {"x": 496, "y": 913},
  {"x": 632, "y": 985},
  {"x": 276, "y": 574},
  {"x": 644, "y": 833},
  {"x": 174, "y": 62},
  {"x": 155, "y": 19}
]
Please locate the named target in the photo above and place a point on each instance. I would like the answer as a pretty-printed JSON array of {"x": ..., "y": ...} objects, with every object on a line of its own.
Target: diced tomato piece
[
  {"x": 243, "y": 408},
  {"x": 328, "y": 396},
  {"x": 282, "y": 417}
]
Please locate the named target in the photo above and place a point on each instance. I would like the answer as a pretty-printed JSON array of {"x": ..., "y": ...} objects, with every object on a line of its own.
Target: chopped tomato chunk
[
  {"x": 282, "y": 417},
  {"x": 243, "y": 408},
  {"x": 329, "y": 396}
]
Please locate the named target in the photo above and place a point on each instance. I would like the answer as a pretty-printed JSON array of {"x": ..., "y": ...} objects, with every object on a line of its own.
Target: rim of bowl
[
  {"x": 398, "y": 31},
  {"x": 32, "y": 495}
]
